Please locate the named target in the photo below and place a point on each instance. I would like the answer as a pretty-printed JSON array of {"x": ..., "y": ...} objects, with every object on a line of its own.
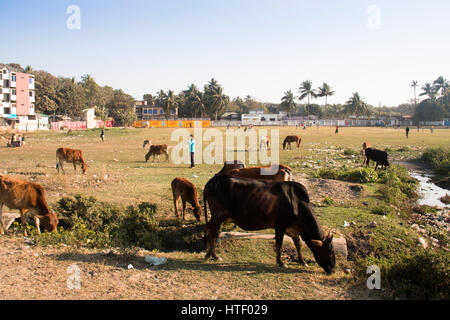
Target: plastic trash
[
  {"x": 130, "y": 266},
  {"x": 155, "y": 260}
]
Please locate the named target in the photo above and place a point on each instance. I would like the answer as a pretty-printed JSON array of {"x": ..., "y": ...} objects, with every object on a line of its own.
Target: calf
[
  {"x": 28, "y": 197},
  {"x": 157, "y": 150},
  {"x": 365, "y": 145},
  {"x": 276, "y": 173},
  {"x": 70, "y": 155},
  {"x": 184, "y": 189},
  {"x": 290, "y": 139},
  {"x": 257, "y": 205},
  {"x": 380, "y": 157}
]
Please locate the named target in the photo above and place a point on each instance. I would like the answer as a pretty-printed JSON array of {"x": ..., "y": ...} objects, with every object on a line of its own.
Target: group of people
[{"x": 16, "y": 141}]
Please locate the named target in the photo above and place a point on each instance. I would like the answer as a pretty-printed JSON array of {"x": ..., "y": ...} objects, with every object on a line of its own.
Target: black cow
[
  {"x": 230, "y": 165},
  {"x": 256, "y": 205},
  {"x": 380, "y": 157}
]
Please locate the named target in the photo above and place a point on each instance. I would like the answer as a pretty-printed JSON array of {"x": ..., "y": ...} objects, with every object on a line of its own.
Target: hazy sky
[{"x": 252, "y": 47}]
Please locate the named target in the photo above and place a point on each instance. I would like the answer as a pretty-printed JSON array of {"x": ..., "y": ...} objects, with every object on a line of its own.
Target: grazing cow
[
  {"x": 290, "y": 139},
  {"x": 157, "y": 150},
  {"x": 257, "y": 205},
  {"x": 184, "y": 189},
  {"x": 70, "y": 155},
  {"x": 380, "y": 157},
  {"x": 365, "y": 145},
  {"x": 28, "y": 197},
  {"x": 282, "y": 173},
  {"x": 230, "y": 165}
]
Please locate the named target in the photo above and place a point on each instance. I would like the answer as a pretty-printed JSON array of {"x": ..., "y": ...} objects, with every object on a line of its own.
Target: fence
[{"x": 60, "y": 125}]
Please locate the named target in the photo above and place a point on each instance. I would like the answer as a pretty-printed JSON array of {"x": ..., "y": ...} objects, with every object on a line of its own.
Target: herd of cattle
[{"x": 252, "y": 198}]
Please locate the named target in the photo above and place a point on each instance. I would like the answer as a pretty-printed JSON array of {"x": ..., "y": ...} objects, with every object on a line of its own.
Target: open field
[{"x": 118, "y": 174}]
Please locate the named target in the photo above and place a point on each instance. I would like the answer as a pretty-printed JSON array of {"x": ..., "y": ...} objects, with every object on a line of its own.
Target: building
[
  {"x": 259, "y": 118},
  {"x": 144, "y": 111},
  {"x": 17, "y": 97}
]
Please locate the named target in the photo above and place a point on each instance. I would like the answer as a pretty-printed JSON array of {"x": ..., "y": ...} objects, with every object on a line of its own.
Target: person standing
[
  {"x": 102, "y": 135},
  {"x": 192, "y": 149},
  {"x": 337, "y": 129},
  {"x": 407, "y": 131}
]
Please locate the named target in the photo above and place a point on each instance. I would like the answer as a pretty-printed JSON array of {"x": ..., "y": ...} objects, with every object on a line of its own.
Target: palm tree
[
  {"x": 414, "y": 84},
  {"x": 429, "y": 90},
  {"x": 216, "y": 100},
  {"x": 195, "y": 99},
  {"x": 325, "y": 91},
  {"x": 161, "y": 99},
  {"x": 288, "y": 101},
  {"x": 355, "y": 105},
  {"x": 172, "y": 103},
  {"x": 306, "y": 90},
  {"x": 441, "y": 84}
]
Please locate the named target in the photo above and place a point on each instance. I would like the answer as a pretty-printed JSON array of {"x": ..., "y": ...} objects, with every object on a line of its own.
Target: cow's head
[
  {"x": 197, "y": 213},
  {"x": 84, "y": 167},
  {"x": 323, "y": 251},
  {"x": 49, "y": 221}
]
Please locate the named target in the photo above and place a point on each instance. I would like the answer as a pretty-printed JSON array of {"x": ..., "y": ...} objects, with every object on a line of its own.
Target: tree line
[{"x": 65, "y": 96}]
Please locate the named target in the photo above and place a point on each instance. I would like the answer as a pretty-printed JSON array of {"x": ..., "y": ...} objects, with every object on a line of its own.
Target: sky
[{"x": 259, "y": 48}]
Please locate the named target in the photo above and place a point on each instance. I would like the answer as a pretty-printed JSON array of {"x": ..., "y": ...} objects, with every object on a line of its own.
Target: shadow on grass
[{"x": 122, "y": 262}]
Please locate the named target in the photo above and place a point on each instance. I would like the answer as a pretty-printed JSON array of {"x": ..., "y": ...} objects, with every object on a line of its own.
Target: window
[
  {"x": 161, "y": 111},
  {"x": 155, "y": 111},
  {"x": 13, "y": 78},
  {"x": 1, "y": 76},
  {"x": 145, "y": 111},
  {"x": 31, "y": 93},
  {"x": 5, "y": 71},
  {"x": 30, "y": 81},
  {"x": 13, "y": 92}
]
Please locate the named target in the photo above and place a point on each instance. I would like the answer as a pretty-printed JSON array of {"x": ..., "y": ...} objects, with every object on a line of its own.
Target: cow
[
  {"x": 257, "y": 205},
  {"x": 156, "y": 150},
  {"x": 74, "y": 156},
  {"x": 380, "y": 157},
  {"x": 28, "y": 197},
  {"x": 275, "y": 172},
  {"x": 365, "y": 145},
  {"x": 184, "y": 189},
  {"x": 230, "y": 165},
  {"x": 290, "y": 139}
]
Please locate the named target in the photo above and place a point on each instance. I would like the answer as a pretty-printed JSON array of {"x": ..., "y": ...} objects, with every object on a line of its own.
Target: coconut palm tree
[
  {"x": 288, "y": 102},
  {"x": 355, "y": 105},
  {"x": 172, "y": 102},
  {"x": 194, "y": 98},
  {"x": 325, "y": 91},
  {"x": 215, "y": 99},
  {"x": 414, "y": 85},
  {"x": 306, "y": 91},
  {"x": 441, "y": 84},
  {"x": 429, "y": 90}
]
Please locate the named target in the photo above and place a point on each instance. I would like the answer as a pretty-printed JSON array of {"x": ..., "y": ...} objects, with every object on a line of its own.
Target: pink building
[{"x": 17, "y": 96}]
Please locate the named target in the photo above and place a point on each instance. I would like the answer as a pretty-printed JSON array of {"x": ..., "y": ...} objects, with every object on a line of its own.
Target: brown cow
[
  {"x": 156, "y": 150},
  {"x": 70, "y": 155},
  {"x": 188, "y": 193},
  {"x": 28, "y": 197},
  {"x": 230, "y": 165},
  {"x": 282, "y": 173},
  {"x": 290, "y": 139},
  {"x": 365, "y": 145},
  {"x": 256, "y": 205}
]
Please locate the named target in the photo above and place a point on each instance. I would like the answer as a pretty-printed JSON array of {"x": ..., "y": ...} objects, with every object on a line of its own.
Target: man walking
[
  {"x": 407, "y": 132},
  {"x": 192, "y": 149}
]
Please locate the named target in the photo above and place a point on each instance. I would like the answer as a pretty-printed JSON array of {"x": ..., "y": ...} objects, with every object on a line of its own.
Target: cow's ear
[{"x": 317, "y": 243}]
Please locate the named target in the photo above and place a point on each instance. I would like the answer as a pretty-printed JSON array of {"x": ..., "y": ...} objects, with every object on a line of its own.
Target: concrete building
[
  {"x": 17, "y": 97},
  {"x": 145, "y": 111}
]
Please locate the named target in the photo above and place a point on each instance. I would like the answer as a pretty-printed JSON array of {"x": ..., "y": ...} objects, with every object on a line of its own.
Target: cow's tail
[{"x": 205, "y": 206}]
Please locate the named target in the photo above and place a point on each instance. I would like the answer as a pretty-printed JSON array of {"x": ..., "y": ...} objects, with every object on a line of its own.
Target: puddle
[{"x": 429, "y": 191}]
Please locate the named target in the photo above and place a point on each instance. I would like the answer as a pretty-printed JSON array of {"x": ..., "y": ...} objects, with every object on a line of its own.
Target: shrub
[
  {"x": 425, "y": 275},
  {"x": 350, "y": 152},
  {"x": 439, "y": 158},
  {"x": 327, "y": 201},
  {"x": 381, "y": 210},
  {"x": 359, "y": 175}
]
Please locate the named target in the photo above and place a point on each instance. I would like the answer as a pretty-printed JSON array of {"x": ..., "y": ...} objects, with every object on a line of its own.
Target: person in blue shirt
[{"x": 192, "y": 149}]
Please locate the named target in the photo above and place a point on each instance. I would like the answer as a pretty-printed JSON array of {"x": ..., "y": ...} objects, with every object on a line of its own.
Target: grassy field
[{"x": 118, "y": 174}]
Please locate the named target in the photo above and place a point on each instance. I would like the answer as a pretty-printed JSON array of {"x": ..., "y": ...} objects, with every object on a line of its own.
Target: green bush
[
  {"x": 381, "y": 210},
  {"x": 359, "y": 175},
  {"x": 439, "y": 158},
  {"x": 425, "y": 275}
]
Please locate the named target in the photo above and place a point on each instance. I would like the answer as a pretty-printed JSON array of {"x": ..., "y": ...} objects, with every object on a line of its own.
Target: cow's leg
[
  {"x": 175, "y": 203},
  {"x": 184, "y": 207},
  {"x": 367, "y": 162},
  {"x": 37, "y": 223},
  {"x": 62, "y": 166},
  {"x": 74, "y": 168},
  {"x": 212, "y": 229},
  {"x": 279, "y": 234},
  {"x": 23, "y": 221},
  {"x": 298, "y": 246},
  {"x": 376, "y": 166},
  {"x": 2, "y": 231}
]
